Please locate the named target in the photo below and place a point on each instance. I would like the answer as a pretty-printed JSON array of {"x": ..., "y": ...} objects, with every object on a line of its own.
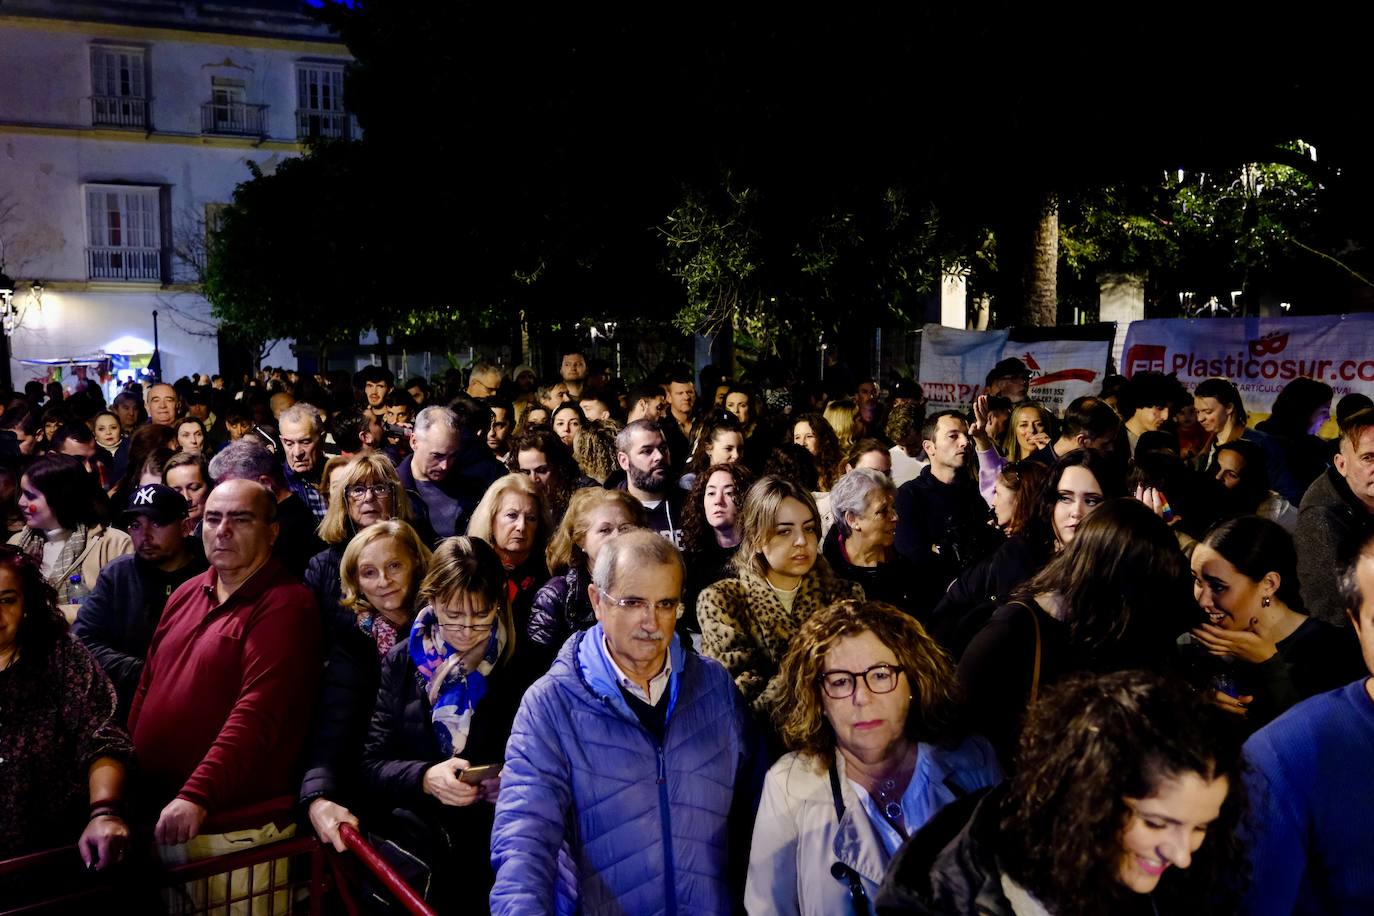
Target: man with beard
[
  {"x": 642, "y": 454},
  {"x": 376, "y": 382}
]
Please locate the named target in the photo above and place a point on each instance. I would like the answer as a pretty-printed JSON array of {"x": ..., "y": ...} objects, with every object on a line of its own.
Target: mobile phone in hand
[{"x": 475, "y": 775}]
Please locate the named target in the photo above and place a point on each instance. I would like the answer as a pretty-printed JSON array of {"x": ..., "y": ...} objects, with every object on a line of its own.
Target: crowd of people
[{"x": 699, "y": 645}]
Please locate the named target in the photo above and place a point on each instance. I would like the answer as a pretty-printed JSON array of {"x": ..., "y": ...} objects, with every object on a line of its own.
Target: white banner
[
  {"x": 955, "y": 363},
  {"x": 1260, "y": 355}
]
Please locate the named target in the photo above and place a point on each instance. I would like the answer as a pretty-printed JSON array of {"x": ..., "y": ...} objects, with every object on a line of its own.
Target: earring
[{"x": 1266, "y": 601}]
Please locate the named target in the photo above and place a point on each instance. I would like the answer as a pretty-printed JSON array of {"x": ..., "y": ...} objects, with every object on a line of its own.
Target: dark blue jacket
[{"x": 595, "y": 815}]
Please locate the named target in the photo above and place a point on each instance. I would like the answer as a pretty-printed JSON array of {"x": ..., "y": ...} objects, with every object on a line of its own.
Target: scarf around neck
[
  {"x": 453, "y": 691},
  {"x": 31, "y": 543}
]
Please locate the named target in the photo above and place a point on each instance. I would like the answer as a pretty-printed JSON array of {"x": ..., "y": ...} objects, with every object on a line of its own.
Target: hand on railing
[{"x": 326, "y": 817}]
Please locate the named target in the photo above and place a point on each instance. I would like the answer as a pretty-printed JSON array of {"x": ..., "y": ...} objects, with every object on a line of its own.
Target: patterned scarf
[
  {"x": 31, "y": 543},
  {"x": 453, "y": 691},
  {"x": 382, "y": 631}
]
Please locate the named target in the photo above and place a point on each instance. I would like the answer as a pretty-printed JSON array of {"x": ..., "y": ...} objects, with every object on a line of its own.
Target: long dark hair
[
  {"x": 1294, "y": 407},
  {"x": 829, "y": 457},
  {"x": 73, "y": 495},
  {"x": 1125, "y": 586},
  {"x": 1039, "y": 530},
  {"x": 1088, "y": 745},
  {"x": 1253, "y": 487}
]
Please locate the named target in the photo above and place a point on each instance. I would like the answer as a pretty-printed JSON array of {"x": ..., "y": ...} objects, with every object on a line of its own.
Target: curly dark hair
[
  {"x": 1088, "y": 745},
  {"x": 929, "y": 674},
  {"x": 696, "y": 534},
  {"x": 829, "y": 456},
  {"x": 794, "y": 463}
]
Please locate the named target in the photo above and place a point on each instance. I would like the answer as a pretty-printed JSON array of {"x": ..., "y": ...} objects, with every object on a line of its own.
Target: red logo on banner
[
  {"x": 1030, "y": 362},
  {"x": 1269, "y": 345},
  {"x": 1065, "y": 375},
  {"x": 1144, "y": 358}
]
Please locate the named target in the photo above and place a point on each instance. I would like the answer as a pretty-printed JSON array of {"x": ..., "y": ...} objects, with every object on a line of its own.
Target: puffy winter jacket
[
  {"x": 592, "y": 805},
  {"x": 561, "y": 607}
]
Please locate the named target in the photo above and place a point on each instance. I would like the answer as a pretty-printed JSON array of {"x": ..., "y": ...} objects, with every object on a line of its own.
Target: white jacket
[{"x": 797, "y": 839}]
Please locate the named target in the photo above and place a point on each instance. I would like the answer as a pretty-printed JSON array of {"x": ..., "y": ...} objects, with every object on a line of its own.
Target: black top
[
  {"x": 296, "y": 540},
  {"x": 980, "y": 590},
  {"x": 943, "y": 527},
  {"x": 896, "y": 581},
  {"x": 653, "y": 718}
]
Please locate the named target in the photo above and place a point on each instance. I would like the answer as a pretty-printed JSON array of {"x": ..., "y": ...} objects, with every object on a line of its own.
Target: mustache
[{"x": 645, "y": 634}]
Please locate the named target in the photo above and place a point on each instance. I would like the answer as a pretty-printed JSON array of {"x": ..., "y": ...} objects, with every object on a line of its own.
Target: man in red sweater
[{"x": 225, "y": 698}]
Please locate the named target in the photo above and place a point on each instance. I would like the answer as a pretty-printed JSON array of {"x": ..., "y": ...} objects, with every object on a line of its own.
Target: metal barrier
[{"x": 288, "y": 876}]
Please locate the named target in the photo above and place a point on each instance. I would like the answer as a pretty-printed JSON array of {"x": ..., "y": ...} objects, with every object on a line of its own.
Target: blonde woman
[
  {"x": 843, "y": 417},
  {"x": 513, "y": 517},
  {"x": 380, "y": 575},
  {"x": 563, "y": 606},
  {"x": 747, "y": 622}
]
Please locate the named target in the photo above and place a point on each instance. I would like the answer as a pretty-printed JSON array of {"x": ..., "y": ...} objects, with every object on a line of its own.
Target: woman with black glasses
[
  {"x": 448, "y": 698},
  {"x": 869, "y": 718}
]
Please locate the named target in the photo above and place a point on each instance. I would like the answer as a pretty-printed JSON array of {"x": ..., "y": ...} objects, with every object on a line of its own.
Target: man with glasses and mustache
[{"x": 629, "y": 753}]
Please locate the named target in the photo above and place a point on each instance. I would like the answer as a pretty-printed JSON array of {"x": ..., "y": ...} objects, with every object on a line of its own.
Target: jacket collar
[
  {"x": 857, "y": 843},
  {"x": 595, "y": 671}
]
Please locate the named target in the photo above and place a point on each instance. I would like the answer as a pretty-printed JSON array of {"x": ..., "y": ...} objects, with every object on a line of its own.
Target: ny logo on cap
[{"x": 144, "y": 496}]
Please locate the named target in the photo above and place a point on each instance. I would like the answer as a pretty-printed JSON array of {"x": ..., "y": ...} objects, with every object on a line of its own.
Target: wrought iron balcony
[
  {"x": 332, "y": 125},
  {"x": 236, "y": 119},
  {"x": 119, "y": 263},
  {"x": 119, "y": 111}
]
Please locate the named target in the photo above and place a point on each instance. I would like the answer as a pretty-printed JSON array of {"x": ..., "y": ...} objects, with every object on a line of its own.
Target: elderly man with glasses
[{"x": 629, "y": 753}]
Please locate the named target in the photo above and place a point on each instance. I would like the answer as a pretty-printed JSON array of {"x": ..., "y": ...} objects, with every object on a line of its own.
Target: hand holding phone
[{"x": 475, "y": 775}]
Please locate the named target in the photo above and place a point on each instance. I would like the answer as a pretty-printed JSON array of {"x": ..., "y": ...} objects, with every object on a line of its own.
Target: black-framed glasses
[
  {"x": 640, "y": 605},
  {"x": 471, "y": 627},
  {"x": 839, "y": 685},
  {"x": 360, "y": 491}
]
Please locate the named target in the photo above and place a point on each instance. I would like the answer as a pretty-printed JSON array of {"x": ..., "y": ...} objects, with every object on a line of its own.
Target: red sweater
[{"x": 225, "y": 699}]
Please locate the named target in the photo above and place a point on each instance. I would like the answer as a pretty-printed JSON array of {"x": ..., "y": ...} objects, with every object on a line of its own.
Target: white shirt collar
[{"x": 658, "y": 684}]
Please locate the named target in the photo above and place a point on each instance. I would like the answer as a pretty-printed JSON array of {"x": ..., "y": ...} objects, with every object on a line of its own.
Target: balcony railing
[
  {"x": 119, "y": 111},
  {"x": 332, "y": 125},
  {"x": 237, "y": 119},
  {"x": 117, "y": 263}
]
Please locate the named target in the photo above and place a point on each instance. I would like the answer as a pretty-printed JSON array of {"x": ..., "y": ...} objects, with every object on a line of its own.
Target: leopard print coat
[{"x": 746, "y": 628}]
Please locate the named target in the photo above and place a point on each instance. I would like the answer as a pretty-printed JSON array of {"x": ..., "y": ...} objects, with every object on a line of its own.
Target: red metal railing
[{"x": 304, "y": 854}]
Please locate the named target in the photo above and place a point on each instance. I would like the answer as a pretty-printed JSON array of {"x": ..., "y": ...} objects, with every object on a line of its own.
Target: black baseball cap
[
  {"x": 161, "y": 504},
  {"x": 1011, "y": 367}
]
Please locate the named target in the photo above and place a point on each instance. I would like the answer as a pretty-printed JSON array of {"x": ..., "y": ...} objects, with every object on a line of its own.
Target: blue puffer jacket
[{"x": 594, "y": 816}]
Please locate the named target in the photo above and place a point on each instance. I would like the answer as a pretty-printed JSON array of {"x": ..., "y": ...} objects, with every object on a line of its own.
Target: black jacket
[
  {"x": 949, "y": 866},
  {"x": 322, "y": 578},
  {"x": 942, "y": 527},
  {"x": 898, "y": 581},
  {"x": 343, "y": 709},
  {"x": 561, "y": 607},
  {"x": 296, "y": 540},
  {"x": 980, "y": 590},
  {"x": 117, "y": 619}
]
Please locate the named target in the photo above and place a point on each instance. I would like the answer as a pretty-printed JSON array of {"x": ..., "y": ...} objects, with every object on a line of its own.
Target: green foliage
[{"x": 773, "y": 268}]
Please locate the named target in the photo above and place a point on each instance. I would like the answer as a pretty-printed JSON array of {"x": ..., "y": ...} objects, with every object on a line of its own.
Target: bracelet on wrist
[{"x": 106, "y": 812}]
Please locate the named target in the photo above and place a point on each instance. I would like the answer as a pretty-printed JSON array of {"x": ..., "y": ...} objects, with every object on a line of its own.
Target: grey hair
[
  {"x": 642, "y": 548},
  {"x": 245, "y": 460},
  {"x": 436, "y": 416},
  {"x": 625, "y": 438},
  {"x": 852, "y": 492},
  {"x": 303, "y": 412},
  {"x": 484, "y": 369}
]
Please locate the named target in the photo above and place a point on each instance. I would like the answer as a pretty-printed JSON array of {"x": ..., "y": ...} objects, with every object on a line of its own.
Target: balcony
[
  {"x": 330, "y": 125},
  {"x": 119, "y": 111},
  {"x": 118, "y": 263},
  {"x": 234, "y": 119}
]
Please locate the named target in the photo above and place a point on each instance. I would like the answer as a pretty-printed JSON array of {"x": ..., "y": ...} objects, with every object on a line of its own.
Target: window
[
  {"x": 119, "y": 95},
  {"x": 319, "y": 101},
  {"x": 125, "y": 241},
  {"x": 228, "y": 111}
]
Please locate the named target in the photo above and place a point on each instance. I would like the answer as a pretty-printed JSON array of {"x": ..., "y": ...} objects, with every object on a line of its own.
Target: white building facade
[{"x": 124, "y": 127}]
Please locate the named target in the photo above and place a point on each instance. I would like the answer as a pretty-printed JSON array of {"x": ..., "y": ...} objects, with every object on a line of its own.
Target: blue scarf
[{"x": 453, "y": 691}]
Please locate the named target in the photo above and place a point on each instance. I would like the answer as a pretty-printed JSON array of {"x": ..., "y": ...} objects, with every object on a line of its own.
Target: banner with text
[
  {"x": 1260, "y": 355},
  {"x": 955, "y": 364}
]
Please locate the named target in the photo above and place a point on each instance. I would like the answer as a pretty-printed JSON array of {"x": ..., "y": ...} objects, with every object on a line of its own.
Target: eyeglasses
[
  {"x": 839, "y": 685},
  {"x": 640, "y": 605},
  {"x": 360, "y": 491},
  {"x": 472, "y": 627}
]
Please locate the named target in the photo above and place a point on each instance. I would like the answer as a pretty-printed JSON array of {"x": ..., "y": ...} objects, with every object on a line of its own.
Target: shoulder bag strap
[
  {"x": 1035, "y": 670},
  {"x": 839, "y": 869}
]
